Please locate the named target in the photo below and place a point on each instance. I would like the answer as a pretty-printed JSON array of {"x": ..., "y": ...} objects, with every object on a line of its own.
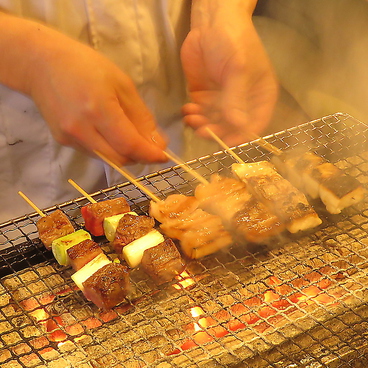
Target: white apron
[{"x": 143, "y": 37}]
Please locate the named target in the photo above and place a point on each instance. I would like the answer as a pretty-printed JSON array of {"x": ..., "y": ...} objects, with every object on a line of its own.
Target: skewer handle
[
  {"x": 268, "y": 146},
  {"x": 178, "y": 161},
  {"x": 31, "y": 204},
  {"x": 129, "y": 176},
  {"x": 225, "y": 146},
  {"x": 82, "y": 191}
]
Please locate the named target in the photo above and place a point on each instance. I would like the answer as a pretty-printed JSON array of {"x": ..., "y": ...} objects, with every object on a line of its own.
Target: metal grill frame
[{"x": 302, "y": 334}]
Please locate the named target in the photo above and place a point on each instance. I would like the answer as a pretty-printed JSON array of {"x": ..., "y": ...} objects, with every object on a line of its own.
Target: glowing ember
[
  {"x": 240, "y": 315},
  {"x": 184, "y": 281},
  {"x": 196, "y": 312},
  {"x": 39, "y": 314}
]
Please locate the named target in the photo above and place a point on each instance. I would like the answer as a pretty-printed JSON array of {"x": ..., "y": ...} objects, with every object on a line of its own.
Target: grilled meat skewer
[
  {"x": 319, "y": 178},
  {"x": 287, "y": 202},
  {"x": 199, "y": 232},
  {"x": 248, "y": 219}
]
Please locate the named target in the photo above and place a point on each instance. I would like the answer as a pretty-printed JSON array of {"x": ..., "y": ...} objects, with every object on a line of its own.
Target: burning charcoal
[
  {"x": 94, "y": 213},
  {"x": 53, "y": 226},
  {"x": 108, "y": 286},
  {"x": 162, "y": 262},
  {"x": 82, "y": 253},
  {"x": 131, "y": 228}
]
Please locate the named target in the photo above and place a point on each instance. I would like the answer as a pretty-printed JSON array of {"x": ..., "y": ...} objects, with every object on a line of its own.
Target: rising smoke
[{"x": 319, "y": 49}]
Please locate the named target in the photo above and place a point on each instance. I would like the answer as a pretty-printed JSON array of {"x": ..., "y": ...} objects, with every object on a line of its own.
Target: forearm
[
  {"x": 218, "y": 12},
  {"x": 26, "y": 47}
]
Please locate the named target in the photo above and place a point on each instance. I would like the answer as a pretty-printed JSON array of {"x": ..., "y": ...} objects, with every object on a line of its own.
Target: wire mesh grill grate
[{"x": 298, "y": 303}]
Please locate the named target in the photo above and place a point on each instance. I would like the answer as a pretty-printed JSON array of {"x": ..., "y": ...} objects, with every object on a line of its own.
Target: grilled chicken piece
[
  {"x": 53, "y": 226},
  {"x": 174, "y": 206},
  {"x": 94, "y": 213},
  {"x": 162, "y": 262},
  {"x": 108, "y": 286},
  {"x": 320, "y": 178},
  {"x": 283, "y": 199},
  {"x": 247, "y": 219},
  {"x": 82, "y": 253},
  {"x": 130, "y": 228},
  {"x": 199, "y": 232}
]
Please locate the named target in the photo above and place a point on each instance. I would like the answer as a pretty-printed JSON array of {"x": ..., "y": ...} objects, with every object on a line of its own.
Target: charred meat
[
  {"x": 82, "y": 253},
  {"x": 94, "y": 213},
  {"x": 108, "y": 286},
  {"x": 247, "y": 219},
  {"x": 282, "y": 198},
  {"x": 320, "y": 178},
  {"x": 130, "y": 228},
  {"x": 53, "y": 226},
  {"x": 162, "y": 262}
]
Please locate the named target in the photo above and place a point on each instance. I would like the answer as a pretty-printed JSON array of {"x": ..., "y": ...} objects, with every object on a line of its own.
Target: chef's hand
[
  {"x": 87, "y": 101},
  {"x": 230, "y": 80}
]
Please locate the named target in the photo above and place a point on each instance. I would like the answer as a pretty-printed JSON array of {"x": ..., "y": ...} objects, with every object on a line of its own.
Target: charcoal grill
[{"x": 300, "y": 302}]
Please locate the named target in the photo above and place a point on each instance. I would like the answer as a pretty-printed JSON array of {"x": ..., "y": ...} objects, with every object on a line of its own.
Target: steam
[{"x": 320, "y": 53}]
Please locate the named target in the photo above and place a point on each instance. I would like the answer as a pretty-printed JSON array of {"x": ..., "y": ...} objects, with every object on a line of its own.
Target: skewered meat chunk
[
  {"x": 287, "y": 202},
  {"x": 94, "y": 213},
  {"x": 133, "y": 252},
  {"x": 199, "y": 232},
  {"x": 320, "y": 178},
  {"x": 162, "y": 262},
  {"x": 61, "y": 245},
  {"x": 111, "y": 223},
  {"x": 89, "y": 269},
  {"x": 108, "y": 286},
  {"x": 53, "y": 226},
  {"x": 246, "y": 218},
  {"x": 130, "y": 228},
  {"x": 82, "y": 253}
]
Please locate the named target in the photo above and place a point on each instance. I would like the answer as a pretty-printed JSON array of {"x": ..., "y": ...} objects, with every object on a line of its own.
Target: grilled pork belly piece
[
  {"x": 82, "y": 253},
  {"x": 108, "y": 286},
  {"x": 282, "y": 198},
  {"x": 53, "y": 226},
  {"x": 254, "y": 223},
  {"x": 244, "y": 216},
  {"x": 320, "y": 178},
  {"x": 94, "y": 213},
  {"x": 130, "y": 228},
  {"x": 162, "y": 262},
  {"x": 199, "y": 232}
]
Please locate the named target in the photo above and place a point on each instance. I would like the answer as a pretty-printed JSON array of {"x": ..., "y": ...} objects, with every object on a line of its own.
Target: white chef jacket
[{"x": 143, "y": 37}]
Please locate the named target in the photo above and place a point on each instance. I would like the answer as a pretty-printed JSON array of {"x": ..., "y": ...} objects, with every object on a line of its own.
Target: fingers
[{"x": 136, "y": 140}]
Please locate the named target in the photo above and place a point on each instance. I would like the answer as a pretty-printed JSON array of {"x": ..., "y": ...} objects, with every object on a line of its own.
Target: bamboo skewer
[
  {"x": 81, "y": 190},
  {"x": 225, "y": 146},
  {"x": 129, "y": 176},
  {"x": 269, "y": 147},
  {"x": 188, "y": 169},
  {"x": 31, "y": 204}
]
